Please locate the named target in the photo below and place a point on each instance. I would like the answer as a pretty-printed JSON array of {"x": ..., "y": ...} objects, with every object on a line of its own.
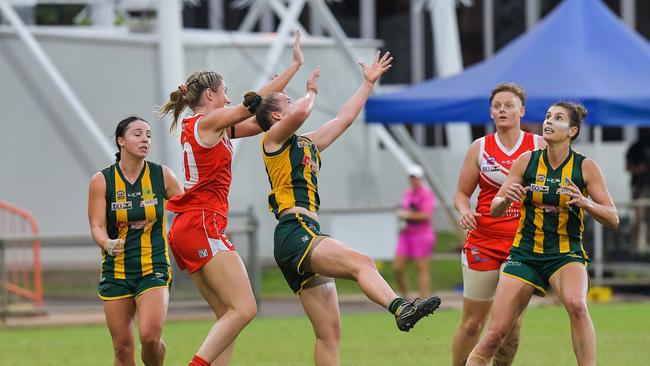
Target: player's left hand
[
  {"x": 402, "y": 214},
  {"x": 373, "y": 72},
  {"x": 577, "y": 199}
]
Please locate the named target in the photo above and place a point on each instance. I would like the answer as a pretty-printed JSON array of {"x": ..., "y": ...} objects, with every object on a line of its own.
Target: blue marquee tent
[{"x": 581, "y": 51}]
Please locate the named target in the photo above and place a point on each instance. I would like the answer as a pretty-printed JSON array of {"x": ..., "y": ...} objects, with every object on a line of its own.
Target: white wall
[{"x": 47, "y": 157}]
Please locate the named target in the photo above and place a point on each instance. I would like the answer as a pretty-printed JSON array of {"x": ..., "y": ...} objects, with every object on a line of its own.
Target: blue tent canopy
[{"x": 581, "y": 52}]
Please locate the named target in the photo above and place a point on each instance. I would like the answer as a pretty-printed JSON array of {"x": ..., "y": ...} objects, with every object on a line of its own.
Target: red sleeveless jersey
[
  {"x": 207, "y": 171},
  {"x": 494, "y": 162}
]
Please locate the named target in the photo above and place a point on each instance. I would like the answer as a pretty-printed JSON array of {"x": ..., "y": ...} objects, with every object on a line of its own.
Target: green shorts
[
  {"x": 114, "y": 289},
  {"x": 537, "y": 269},
  {"x": 294, "y": 238}
]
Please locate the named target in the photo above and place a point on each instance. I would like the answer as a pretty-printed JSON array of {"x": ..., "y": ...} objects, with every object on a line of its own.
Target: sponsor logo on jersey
[
  {"x": 491, "y": 160},
  {"x": 562, "y": 190},
  {"x": 553, "y": 180},
  {"x": 141, "y": 224},
  {"x": 134, "y": 194},
  {"x": 121, "y": 205},
  {"x": 490, "y": 168},
  {"x": 120, "y": 195},
  {"x": 541, "y": 178},
  {"x": 306, "y": 160},
  {"x": 304, "y": 238},
  {"x": 151, "y": 202},
  {"x": 303, "y": 142},
  {"x": 539, "y": 188},
  {"x": 203, "y": 253},
  {"x": 549, "y": 209},
  {"x": 507, "y": 162}
]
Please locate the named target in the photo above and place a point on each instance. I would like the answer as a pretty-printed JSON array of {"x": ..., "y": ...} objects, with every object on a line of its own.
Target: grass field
[{"x": 371, "y": 339}]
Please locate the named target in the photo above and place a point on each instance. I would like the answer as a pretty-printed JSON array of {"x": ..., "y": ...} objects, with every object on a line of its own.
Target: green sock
[{"x": 395, "y": 304}]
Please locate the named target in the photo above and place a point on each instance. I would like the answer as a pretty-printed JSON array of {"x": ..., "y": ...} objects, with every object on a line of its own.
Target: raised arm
[
  {"x": 331, "y": 130},
  {"x": 511, "y": 190},
  {"x": 223, "y": 118},
  {"x": 467, "y": 182},
  {"x": 97, "y": 216},
  {"x": 280, "y": 82},
  {"x": 600, "y": 207},
  {"x": 298, "y": 112}
]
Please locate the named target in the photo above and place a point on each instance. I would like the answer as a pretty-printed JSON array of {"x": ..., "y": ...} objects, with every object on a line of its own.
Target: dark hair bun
[{"x": 252, "y": 100}]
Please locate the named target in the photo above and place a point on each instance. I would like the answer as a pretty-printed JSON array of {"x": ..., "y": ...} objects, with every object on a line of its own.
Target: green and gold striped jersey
[
  {"x": 135, "y": 214},
  {"x": 293, "y": 174},
  {"x": 548, "y": 224}
]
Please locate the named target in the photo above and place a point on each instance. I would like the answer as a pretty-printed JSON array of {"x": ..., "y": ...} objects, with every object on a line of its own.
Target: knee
[
  {"x": 150, "y": 338},
  {"x": 365, "y": 262},
  {"x": 576, "y": 307},
  {"x": 471, "y": 327},
  {"x": 123, "y": 349},
  {"x": 331, "y": 333},
  {"x": 246, "y": 311},
  {"x": 494, "y": 337}
]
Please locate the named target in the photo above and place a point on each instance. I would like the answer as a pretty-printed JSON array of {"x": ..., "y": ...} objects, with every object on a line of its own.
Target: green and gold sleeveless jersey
[
  {"x": 293, "y": 174},
  {"x": 548, "y": 224},
  {"x": 135, "y": 213}
]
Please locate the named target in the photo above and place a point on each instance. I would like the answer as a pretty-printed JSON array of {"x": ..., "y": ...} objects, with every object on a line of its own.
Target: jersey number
[{"x": 189, "y": 167}]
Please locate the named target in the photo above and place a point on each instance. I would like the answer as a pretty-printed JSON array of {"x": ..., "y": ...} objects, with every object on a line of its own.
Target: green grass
[{"x": 370, "y": 339}]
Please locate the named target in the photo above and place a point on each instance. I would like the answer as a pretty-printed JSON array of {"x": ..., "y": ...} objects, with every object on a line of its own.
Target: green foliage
[{"x": 367, "y": 339}]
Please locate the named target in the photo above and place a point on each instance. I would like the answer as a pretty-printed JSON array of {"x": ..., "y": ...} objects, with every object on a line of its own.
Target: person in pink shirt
[{"x": 416, "y": 237}]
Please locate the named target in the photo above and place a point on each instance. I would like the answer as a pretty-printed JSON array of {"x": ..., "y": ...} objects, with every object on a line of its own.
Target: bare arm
[
  {"x": 331, "y": 130},
  {"x": 467, "y": 182},
  {"x": 283, "y": 129},
  {"x": 226, "y": 117},
  {"x": 172, "y": 187},
  {"x": 600, "y": 207},
  {"x": 511, "y": 190},
  {"x": 97, "y": 216},
  {"x": 249, "y": 127}
]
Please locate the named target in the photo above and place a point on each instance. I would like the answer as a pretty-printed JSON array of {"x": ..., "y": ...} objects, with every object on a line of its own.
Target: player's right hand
[
  {"x": 516, "y": 192},
  {"x": 114, "y": 247},
  {"x": 468, "y": 219}
]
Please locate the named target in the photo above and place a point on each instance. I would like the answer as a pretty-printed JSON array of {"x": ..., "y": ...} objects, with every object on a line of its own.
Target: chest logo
[
  {"x": 120, "y": 195},
  {"x": 491, "y": 160},
  {"x": 151, "y": 202},
  {"x": 539, "y": 188},
  {"x": 121, "y": 205},
  {"x": 541, "y": 178}
]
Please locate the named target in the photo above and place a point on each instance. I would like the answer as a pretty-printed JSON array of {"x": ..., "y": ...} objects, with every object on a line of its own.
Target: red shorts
[
  {"x": 196, "y": 236},
  {"x": 485, "y": 253}
]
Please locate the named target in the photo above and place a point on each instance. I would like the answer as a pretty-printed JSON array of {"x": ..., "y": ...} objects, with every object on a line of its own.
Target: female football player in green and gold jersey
[
  {"x": 556, "y": 185},
  {"x": 126, "y": 208},
  {"x": 308, "y": 258}
]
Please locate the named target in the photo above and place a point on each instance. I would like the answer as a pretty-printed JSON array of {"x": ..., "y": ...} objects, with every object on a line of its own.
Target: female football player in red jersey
[
  {"x": 197, "y": 235},
  {"x": 489, "y": 239},
  {"x": 126, "y": 214}
]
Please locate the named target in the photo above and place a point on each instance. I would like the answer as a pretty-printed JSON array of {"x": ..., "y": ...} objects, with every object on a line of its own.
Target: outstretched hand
[
  {"x": 297, "y": 50},
  {"x": 379, "y": 66},
  {"x": 312, "y": 82}
]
